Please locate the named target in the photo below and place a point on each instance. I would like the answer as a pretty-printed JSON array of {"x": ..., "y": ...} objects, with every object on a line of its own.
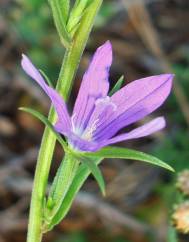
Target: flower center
[
  {"x": 104, "y": 107},
  {"x": 88, "y": 134},
  {"x": 75, "y": 129}
]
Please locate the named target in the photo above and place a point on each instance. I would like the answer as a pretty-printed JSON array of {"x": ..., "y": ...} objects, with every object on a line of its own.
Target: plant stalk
[{"x": 69, "y": 67}]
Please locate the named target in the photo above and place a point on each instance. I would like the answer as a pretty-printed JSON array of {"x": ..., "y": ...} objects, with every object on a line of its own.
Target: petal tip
[
  {"x": 24, "y": 57},
  {"x": 161, "y": 121},
  {"x": 168, "y": 76},
  {"x": 106, "y": 47},
  {"x": 108, "y": 43},
  {"x": 25, "y": 61},
  {"x": 168, "y": 80}
]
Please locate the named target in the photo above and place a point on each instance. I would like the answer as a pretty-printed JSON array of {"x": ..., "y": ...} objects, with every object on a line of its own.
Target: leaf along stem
[{"x": 82, "y": 174}]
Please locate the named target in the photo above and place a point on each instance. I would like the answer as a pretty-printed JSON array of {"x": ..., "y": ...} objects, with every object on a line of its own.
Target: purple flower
[{"x": 97, "y": 117}]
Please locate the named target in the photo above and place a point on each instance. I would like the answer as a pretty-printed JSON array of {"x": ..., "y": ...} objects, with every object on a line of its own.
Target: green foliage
[
  {"x": 60, "y": 186},
  {"x": 60, "y": 15},
  {"x": 123, "y": 153},
  {"x": 91, "y": 165},
  {"x": 94, "y": 169},
  {"x": 82, "y": 173},
  {"x": 64, "y": 8},
  {"x": 117, "y": 86},
  {"x": 76, "y": 15}
]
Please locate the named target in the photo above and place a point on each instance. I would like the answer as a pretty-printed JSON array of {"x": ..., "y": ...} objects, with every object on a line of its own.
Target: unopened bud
[
  {"x": 183, "y": 182},
  {"x": 180, "y": 217}
]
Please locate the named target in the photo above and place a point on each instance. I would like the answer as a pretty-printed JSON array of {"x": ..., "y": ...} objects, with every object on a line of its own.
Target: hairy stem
[{"x": 64, "y": 85}]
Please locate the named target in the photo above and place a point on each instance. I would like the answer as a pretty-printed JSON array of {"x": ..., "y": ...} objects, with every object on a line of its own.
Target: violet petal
[
  {"x": 95, "y": 84},
  {"x": 142, "y": 131},
  {"x": 134, "y": 102},
  {"x": 57, "y": 100}
]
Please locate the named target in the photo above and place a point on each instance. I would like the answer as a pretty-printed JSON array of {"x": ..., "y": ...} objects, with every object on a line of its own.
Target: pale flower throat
[{"x": 102, "y": 107}]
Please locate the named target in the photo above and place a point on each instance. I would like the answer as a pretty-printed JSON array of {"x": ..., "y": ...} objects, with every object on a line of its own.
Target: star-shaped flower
[{"x": 97, "y": 117}]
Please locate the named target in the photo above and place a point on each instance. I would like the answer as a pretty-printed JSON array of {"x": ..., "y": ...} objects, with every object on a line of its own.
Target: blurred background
[{"x": 143, "y": 203}]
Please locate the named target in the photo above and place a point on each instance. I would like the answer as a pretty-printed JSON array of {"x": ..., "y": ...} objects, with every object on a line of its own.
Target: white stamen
[{"x": 88, "y": 134}]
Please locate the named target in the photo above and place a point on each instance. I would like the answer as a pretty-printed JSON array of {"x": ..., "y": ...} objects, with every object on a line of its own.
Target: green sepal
[
  {"x": 46, "y": 78},
  {"x": 123, "y": 153},
  {"x": 117, "y": 86},
  {"x": 61, "y": 183},
  {"x": 82, "y": 173},
  {"x": 96, "y": 172},
  {"x": 45, "y": 121}
]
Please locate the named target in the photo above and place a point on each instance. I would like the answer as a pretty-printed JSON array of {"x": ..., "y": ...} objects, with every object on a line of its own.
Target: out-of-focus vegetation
[{"x": 140, "y": 198}]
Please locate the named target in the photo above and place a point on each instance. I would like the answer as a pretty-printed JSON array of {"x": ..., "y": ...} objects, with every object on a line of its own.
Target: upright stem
[{"x": 64, "y": 85}]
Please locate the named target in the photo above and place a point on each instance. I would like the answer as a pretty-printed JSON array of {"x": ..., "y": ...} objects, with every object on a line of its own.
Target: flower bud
[
  {"x": 180, "y": 217},
  {"x": 183, "y": 182}
]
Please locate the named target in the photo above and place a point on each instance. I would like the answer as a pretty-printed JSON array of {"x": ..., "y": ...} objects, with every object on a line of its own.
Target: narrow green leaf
[
  {"x": 60, "y": 22},
  {"x": 123, "y": 153},
  {"x": 76, "y": 15},
  {"x": 46, "y": 78},
  {"x": 96, "y": 173},
  {"x": 117, "y": 86},
  {"x": 77, "y": 2},
  {"x": 64, "y": 7},
  {"x": 44, "y": 120}
]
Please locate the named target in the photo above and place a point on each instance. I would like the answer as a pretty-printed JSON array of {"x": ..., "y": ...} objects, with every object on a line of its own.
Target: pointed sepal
[{"x": 96, "y": 172}]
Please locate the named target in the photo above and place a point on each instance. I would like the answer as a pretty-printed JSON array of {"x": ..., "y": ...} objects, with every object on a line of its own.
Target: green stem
[{"x": 64, "y": 85}]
